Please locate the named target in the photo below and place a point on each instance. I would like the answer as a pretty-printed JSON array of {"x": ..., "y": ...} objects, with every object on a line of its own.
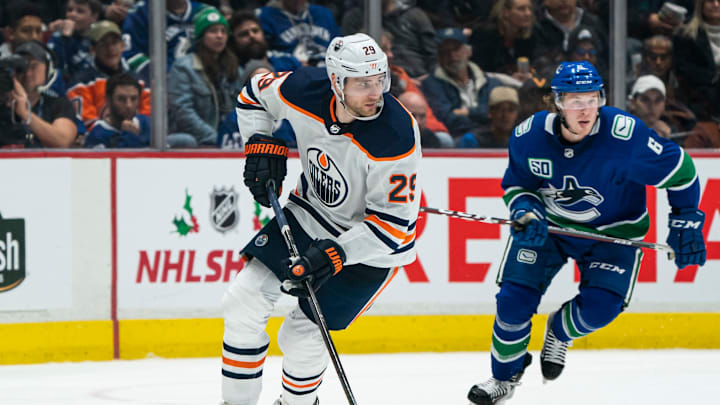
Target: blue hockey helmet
[{"x": 576, "y": 77}]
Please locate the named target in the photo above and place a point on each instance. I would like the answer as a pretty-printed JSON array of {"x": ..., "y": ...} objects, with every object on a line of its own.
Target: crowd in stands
[{"x": 75, "y": 73}]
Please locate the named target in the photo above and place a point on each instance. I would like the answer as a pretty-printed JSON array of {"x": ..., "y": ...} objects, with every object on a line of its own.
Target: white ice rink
[{"x": 590, "y": 378}]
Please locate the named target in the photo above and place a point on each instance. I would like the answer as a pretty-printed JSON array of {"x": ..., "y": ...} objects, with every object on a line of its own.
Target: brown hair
[
  {"x": 225, "y": 64},
  {"x": 549, "y": 101}
]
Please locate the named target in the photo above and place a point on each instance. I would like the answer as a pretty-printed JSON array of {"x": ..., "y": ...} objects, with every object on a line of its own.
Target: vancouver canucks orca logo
[
  {"x": 328, "y": 183},
  {"x": 560, "y": 201}
]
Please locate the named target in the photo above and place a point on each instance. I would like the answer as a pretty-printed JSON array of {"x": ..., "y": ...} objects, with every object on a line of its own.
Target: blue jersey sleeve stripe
[
  {"x": 404, "y": 248},
  {"x": 304, "y": 183},
  {"x": 392, "y": 245},
  {"x": 254, "y": 351},
  {"x": 388, "y": 217},
  {"x": 319, "y": 218},
  {"x": 412, "y": 226},
  {"x": 238, "y": 376},
  {"x": 250, "y": 93},
  {"x": 248, "y": 107}
]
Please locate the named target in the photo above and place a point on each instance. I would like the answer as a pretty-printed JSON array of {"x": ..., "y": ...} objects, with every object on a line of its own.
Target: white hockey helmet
[{"x": 356, "y": 55}]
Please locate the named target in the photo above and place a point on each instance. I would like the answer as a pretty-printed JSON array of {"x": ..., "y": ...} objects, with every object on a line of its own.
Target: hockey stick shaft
[
  {"x": 554, "y": 229},
  {"x": 317, "y": 312}
]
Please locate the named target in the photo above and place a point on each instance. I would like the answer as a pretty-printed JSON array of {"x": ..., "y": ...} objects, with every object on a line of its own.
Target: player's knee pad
[
  {"x": 516, "y": 303},
  {"x": 248, "y": 302},
  {"x": 302, "y": 345},
  {"x": 598, "y": 307}
]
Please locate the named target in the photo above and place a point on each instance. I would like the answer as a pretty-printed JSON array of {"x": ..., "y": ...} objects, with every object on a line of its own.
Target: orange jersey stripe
[
  {"x": 377, "y": 159},
  {"x": 243, "y": 364},
  {"x": 389, "y": 229},
  {"x": 246, "y": 100},
  {"x": 301, "y": 386}
]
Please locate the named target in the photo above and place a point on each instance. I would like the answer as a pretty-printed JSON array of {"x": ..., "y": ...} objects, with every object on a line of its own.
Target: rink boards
[{"x": 139, "y": 266}]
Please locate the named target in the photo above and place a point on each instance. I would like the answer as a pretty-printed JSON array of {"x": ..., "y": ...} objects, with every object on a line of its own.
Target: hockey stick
[
  {"x": 556, "y": 230},
  {"x": 317, "y": 312}
]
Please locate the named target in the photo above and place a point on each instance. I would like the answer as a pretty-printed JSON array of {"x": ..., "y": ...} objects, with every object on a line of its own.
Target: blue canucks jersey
[
  {"x": 136, "y": 33},
  {"x": 597, "y": 184}
]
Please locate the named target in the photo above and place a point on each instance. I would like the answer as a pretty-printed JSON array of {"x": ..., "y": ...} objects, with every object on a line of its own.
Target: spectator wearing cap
[
  {"x": 69, "y": 40},
  {"x": 458, "y": 90},
  {"x": 87, "y": 88},
  {"x": 297, "y": 30},
  {"x": 416, "y": 104},
  {"x": 559, "y": 18},
  {"x": 583, "y": 45},
  {"x": 203, "y": 84},
  {"x": 696, "y": 59},
  {"x": 647, "y": 102},
  {"x": 509, "y": 35},
  {"x": 504, "y": 109},
  {"x": 39, "y": 119},
  {"x": 178, "y": 29},
  {"x": 124, "y": 126}
]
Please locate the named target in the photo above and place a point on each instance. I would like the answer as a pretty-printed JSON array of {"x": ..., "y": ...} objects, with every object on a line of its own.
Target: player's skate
[
  {"x": 552, "y": 356},
  {"x": 279, "y": 401},
  {"x": 492, "y": 391}
]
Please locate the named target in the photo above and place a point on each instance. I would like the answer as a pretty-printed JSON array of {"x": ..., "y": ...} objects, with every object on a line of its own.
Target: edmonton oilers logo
[{"x": 328, "y": 183}]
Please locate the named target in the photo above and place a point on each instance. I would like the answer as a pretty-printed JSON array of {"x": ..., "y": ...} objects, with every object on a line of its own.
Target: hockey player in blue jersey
[
  {"x": 584, "y": 166},
  {"x": 352, "y": 213}
]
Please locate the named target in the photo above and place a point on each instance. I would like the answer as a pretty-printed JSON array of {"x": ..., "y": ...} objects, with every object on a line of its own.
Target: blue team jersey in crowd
[
  {"x": 110, "y": 137},
  {"x": 72, "y": 54},
  {"x": 178, "y": 34},
  {"x": 597, "y": 184},
  {"x": 292, "y": 38}
]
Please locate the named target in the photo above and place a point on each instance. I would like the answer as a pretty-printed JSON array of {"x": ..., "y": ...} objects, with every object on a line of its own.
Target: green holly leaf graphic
[
  {"x": 182, "y": 227},
  {"x": 187, "y": 206}
]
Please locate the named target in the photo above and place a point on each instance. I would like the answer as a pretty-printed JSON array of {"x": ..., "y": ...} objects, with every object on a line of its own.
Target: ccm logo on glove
[{"x": 683, "y": 224}]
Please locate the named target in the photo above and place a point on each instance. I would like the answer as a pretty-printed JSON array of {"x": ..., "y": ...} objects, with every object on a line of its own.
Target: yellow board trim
[
  {"x": 24, "y": 343},
  {"x": 92, "y": 340}
]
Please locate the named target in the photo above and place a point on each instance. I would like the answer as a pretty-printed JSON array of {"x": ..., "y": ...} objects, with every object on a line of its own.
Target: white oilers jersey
[{"x": 359, "y": 184}]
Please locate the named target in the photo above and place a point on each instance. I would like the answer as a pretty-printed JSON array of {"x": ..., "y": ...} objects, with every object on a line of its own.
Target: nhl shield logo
[
  {"x": 334, "y": 129},
  {"x": 224, "y": 213}
]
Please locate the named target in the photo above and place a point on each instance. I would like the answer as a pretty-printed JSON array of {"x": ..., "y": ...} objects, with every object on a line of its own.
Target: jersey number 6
[{"x": 397, "y": 195}]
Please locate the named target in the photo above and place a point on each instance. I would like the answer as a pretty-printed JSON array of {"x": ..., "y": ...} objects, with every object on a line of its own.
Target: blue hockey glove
[
  {"x": 686, "y": 237},
  {"x": 530, "y": 228},
  {"x": 323, "y": 259}
]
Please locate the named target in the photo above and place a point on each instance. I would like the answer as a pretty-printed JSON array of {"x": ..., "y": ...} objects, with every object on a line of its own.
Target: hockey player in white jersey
[{"x": 352, "y": 212}]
